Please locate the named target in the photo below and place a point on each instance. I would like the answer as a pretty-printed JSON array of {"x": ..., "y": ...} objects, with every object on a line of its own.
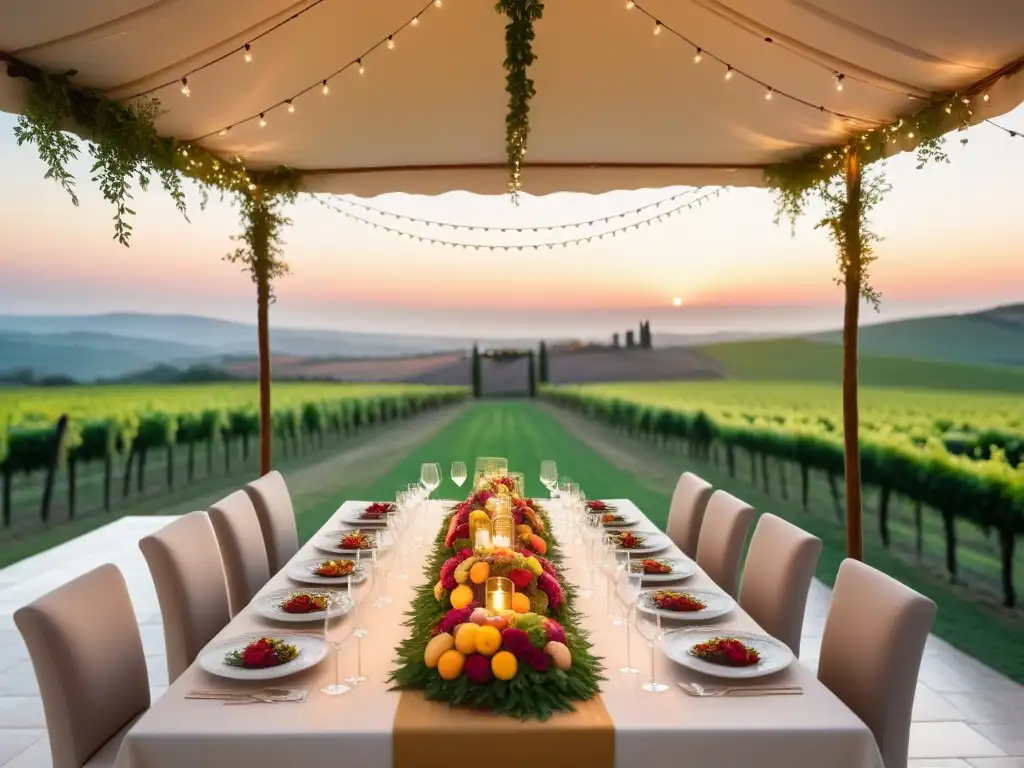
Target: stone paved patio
[{"x": 965, "y": 714}]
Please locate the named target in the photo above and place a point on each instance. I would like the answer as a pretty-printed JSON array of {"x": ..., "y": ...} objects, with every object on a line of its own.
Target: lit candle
[
  {"x": 483, "y": 538},
  {"x": 499, "y": 591},
  {"x": 502, "y": 541}
]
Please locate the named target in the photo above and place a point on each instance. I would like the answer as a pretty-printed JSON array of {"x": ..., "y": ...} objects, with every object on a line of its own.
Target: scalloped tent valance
[{"x": 616, "y": 107}]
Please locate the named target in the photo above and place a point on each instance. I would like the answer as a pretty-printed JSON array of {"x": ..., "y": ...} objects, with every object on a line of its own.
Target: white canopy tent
[
  {"x": 409, "y": 96},
  {"x": 617, "y": 107}
]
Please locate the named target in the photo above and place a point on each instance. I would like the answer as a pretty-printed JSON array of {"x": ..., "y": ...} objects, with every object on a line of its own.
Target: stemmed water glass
[
  {"x": 396, "y": 528},
  {"x": 357, "y": 594},
  {"x": 549, "y": 476},
  {"x": 610, "y": 568},
  {"x": 336, "y": 636},
  {"x": 459, "y": 473},
  {"x": 593, "y": 538},
  {"x": 649, "y": 627},
  {"x": 627, "y": 590},
  {"x": 430, "y": 477},
  {"x": 381, "y": 565}
]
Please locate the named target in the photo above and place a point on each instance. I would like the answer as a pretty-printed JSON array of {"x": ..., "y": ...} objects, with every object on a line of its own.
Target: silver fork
[{"x": 700, "y": 691}]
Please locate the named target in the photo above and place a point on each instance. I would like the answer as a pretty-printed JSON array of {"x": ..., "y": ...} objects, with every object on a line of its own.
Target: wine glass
[
  {"x": 610, "y": 567},
  {"x": 336, "y": 635},
  {"x": 396, "y": 527},
  {"x": 381, "y": 565},
  {"x": 430, "y": 477},
  {"x": 357, "y": 594},
  {"x": 549, "y": 476},
  {"x": 627, "y": 590},
  {"x": 649, "y": 627},
  {"x": 459, "y": 472}
]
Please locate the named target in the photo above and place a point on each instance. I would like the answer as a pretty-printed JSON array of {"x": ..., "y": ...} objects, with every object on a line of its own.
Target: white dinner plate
[
  {"x": 654, "y": 541},
  {"x": 718, "y": 604},
  {"x": 682, "y": 568},
  {"x": 269, "y": 606},
  {"x": 354, "y": 516},
  {"x": 304, "y": 572},
  {"x": 775, "y": 656},
  {"x": 312, "y": 650},
  {"x": 329, "y": 541}
]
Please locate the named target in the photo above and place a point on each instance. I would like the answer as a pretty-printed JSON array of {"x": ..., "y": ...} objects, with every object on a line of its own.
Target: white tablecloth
[{"x": 813, "y": 729}]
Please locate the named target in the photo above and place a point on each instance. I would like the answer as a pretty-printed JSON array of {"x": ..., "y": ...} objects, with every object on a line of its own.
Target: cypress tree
[
  {"x": 532, "y": 375},
  {"x": 543, "y": 368},
  {"x": 477, "y": 374}
]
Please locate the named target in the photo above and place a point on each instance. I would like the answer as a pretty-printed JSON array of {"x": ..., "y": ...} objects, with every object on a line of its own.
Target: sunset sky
[{"x": 954, "y": 240}]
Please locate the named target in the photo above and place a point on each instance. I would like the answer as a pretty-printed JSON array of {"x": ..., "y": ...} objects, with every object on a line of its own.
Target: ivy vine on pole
[{"x": 519, "y": 56}]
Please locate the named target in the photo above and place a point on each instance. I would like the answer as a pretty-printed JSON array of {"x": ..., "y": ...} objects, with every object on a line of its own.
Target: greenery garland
[
  {"x": 530, "y": 694},
  {"x": 519, "y": 56}
]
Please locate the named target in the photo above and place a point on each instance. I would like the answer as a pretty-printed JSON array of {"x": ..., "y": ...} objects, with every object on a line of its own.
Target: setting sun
[{"x": 677, "y": 302}]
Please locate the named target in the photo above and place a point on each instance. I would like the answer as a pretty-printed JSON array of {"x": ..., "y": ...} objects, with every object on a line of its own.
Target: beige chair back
[
  {"x": 269, "y": 495},
  {"x": 241, "y": 547},
  {"x": 777, "y": 578},
  {"x": 188, "y": 572},
  {"x": 86, "y": 649},
  {"x": 871, "y": 652},
  {"x": 686, "y": 512},
  {"x": 720, "y": 550}
]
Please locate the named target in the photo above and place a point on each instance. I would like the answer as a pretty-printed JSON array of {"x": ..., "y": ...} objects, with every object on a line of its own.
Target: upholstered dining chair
[
  {"x": 269, "y": 495},
  {"x": 241, "y": 547},
  {"x": 87, "y": 653},
  {"x": 777, "y": 577},
  {"x": 720, "y": 549},
  {"x": 871, "y": 652},
  {"x": 188, "y": 572},
  {"x": 686, "y": 512}
]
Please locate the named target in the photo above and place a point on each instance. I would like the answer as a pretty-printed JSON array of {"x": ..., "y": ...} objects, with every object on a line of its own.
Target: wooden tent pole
[
  {"x": 851, "y": 319},
  {"x": 261, "y": 273}
]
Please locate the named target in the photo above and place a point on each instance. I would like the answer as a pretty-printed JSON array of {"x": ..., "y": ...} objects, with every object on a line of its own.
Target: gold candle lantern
[
  {"x": 499, "y": 591},
  {"x": 480, "y": 532},
  {"x": 503, "y": 525}
]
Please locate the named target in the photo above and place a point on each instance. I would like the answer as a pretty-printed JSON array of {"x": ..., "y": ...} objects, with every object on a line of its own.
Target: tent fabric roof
[{"x": 617, "y": 106}]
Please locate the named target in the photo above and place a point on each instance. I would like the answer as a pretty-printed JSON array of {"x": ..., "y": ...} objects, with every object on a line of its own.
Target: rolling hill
[{"x": 992, "y": 337}]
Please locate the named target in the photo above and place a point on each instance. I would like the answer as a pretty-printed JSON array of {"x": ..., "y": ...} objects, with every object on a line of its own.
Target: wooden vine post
[
  {"x": 261, "y": 274},
  {"x": 852, "y": 277}
]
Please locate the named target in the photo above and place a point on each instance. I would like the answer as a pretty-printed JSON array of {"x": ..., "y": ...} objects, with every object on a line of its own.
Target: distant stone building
[
  {"x": 629, "y": 339},
  {"x": 615, "y": 340}
]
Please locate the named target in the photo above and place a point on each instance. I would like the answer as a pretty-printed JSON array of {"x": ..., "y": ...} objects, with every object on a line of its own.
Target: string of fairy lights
[
  {"x": 657, "y": 204},
  {"x": 535, "y": 246},
  {"x": 246, "y": 50},
  {"x": 322, "y": 84}
]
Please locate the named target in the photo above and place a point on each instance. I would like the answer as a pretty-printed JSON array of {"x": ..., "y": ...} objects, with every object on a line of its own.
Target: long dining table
[{"x": 358, "y": 729}]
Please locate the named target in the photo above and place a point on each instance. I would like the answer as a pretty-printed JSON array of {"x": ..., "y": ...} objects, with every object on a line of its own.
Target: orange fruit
[
  {"x": 520, "y": 602},
  {"x": 450, "y": 664},
  {"x": 488, "y": 640},
  {"x": 537, "y": 545},
  {"x": 465, "y": 638},
  {"x": 479, "y": 572},
  {"x": 503, "y": 665},
  {"x": 462, "y": 596}
]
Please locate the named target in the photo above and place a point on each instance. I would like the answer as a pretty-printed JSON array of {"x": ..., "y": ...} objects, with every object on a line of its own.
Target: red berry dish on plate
[
  {"x": 378, "y": 509},
  {"x": 670, "y": 600},
  {"x": 357, "y": 540},
  {"x": 262, "y": 653},
  {"x": 629, "y": 540},
  {"x": 727, "y": 651},
  {"x": 655, "y": 567},
  {"x": 304, "y": 602},
  {"x": 335, "y": 568}
]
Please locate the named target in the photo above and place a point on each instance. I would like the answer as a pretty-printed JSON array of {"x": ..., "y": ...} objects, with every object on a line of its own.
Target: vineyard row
[{"x": 986, "y": 491}]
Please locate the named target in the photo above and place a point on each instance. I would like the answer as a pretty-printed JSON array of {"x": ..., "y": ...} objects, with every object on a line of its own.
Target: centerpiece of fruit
[
  {"x": 486, "y": 501},
  {"x": 463, "y": 576},
  {"x": 727, "y": 651}
]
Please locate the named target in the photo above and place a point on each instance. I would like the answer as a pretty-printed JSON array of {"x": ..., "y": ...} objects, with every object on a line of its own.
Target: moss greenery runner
[{"x": 530, "y": 661}]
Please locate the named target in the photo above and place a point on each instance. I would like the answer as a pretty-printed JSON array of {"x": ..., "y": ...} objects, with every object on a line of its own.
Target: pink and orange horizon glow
[{"x": 953, "y": 241}]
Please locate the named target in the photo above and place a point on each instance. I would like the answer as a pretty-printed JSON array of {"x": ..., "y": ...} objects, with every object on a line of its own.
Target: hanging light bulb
[
  {"x": 263, "y": 121},
  {"x": 657, "y": 27},
  {"x": 984, "y": 97},
  {"x": 184, "y": 87},
  {"x": 839, "y": 80},
  {"x": 248, "y": 54},
  {"x": 910, "y": 135},
  {"x": 630, "y": 5},
  {"x": 415, "y": 21},
  {"x": 768, "y": 94},
  {"x": 698, "y": 56},
  {"x": 437, "y": 3},
  {"x": 223, "y": 131},
  {"x": 291, "y": 107},
  {"x": 728, "y": 73},
  {"x": 362, "y": 69},
  {"x": 325, "y": 90},
  {"x": 391, "y": 42}
]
